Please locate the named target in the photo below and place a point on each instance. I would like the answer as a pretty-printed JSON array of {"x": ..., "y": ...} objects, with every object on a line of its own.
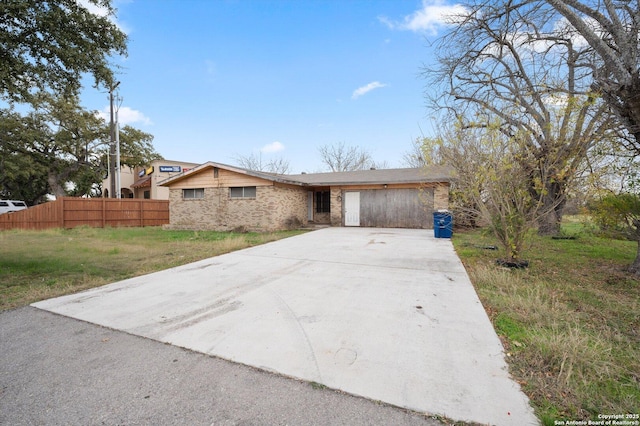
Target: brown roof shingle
[
  {"x": 377, "y": 176},
  {"x": 358, "y": 177}
]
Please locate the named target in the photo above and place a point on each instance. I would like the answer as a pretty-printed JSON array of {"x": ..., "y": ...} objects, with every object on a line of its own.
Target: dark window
[
  {"x": 323, "y": 202},
  {"x": 190, "y": 194},
  {"x": 215, "y": 172},
  {"x": 242, "y": 192},
  {"x": 147, "y": 195}
]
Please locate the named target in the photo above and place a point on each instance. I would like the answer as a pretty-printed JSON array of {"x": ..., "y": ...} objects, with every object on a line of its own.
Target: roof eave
[
  {"x": 379, "y": 182},
  {"x": 210, "y": 164}
]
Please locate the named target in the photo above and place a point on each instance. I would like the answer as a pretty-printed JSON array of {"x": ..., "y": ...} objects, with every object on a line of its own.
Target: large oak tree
[
  {"x": 48, "y": 45},
  {"x": 57, "y": 147},
  {"x": 62, "y": 148}
]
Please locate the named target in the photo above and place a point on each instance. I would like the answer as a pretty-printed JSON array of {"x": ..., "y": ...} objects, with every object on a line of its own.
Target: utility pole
[
  {"x": 118, "y": 168},
  {"x": 113, "y": 166}
]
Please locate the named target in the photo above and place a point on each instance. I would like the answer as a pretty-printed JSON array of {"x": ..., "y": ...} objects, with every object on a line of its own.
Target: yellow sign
[{"x": 149, "y": 171}]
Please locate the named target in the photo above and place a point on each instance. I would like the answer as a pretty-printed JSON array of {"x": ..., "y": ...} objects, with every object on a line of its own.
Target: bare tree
[
  {"x": 414, "y": 157},
  {"x": 384, "y": 164},
  {"x": 424, "y": 151},
  {"x": 278, "y": 166},
  {"x": 612, "y": 30},
  {"x": 507, "y": 64},
  {"x": 255, "y": 162},
  {"x": 342, "y": 158},
  {"x": 492, "y": 185}
]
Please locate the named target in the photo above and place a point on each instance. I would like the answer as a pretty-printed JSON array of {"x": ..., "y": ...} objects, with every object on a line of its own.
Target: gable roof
[
  {"x": 210, "y": 165},
  {"x": 358, "y": 177},
  {"x": 377, "y": 176}
]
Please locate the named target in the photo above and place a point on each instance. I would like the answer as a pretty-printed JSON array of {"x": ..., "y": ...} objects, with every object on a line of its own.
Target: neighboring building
[
  {"x": 142, "y": 182},
  {"x": 222, "y": 197}
]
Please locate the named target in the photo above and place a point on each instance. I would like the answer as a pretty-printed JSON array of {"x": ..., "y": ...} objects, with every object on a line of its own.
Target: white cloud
[
  {"x": 126, "y": 116},
  {"x": 93, "y": 8},
  {"x": 103, "y": 12},
  {"x": 272, "y": 147},
  {"x": 528, "y": 43},
  {"x": 523, "y": 42},
  {"x": 433, "y": 14},
  {"x": 562, "y": 26},
  {"x": 366, "y": 89},
  {"x": 559, "y": 100}
]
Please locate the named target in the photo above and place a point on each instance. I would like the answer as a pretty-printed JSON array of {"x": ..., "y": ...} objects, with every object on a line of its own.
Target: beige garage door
[{"x": 396, "y": 208}]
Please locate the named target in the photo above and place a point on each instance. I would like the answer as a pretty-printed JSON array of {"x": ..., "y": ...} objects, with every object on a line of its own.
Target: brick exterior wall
[
  {"x": 336, "y": 207},
  {"x": 441, "y": 197},
  {"x": 273, "y": 208},
  {"x": 322, "y": 218}
]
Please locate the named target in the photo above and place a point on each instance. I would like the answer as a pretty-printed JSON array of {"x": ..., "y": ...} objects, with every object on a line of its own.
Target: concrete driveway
[{"x": 387, "y": 314}]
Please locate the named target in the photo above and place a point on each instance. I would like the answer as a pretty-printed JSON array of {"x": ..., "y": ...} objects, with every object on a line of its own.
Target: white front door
[{"x": 351, "y": 209}]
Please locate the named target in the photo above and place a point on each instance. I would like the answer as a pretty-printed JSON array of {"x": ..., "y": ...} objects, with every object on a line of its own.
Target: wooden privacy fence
[{"x": 69, "y": 212}]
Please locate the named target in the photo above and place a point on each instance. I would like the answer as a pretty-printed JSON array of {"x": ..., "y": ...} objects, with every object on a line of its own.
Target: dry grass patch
[{"x": 570, "y": 323}]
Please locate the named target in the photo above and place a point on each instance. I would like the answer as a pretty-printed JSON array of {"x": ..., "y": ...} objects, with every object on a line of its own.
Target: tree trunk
[
  {"x": 54, "y": 185},
  {"x": 553, "y": 204},
  {"x": 635, "y": 266},
  {"x": 549, "y": 224}
]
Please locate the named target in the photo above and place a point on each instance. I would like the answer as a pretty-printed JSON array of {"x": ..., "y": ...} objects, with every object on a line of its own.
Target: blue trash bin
[{"x": 442, "y": 224}]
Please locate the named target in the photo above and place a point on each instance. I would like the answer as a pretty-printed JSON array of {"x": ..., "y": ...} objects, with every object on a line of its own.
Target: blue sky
[{"x": 212, "y": 80}]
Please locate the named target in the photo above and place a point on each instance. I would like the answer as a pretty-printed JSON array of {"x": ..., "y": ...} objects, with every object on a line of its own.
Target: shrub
[
  {"x": 618, "y": 215},
  {"x": 293, "y": 223}
]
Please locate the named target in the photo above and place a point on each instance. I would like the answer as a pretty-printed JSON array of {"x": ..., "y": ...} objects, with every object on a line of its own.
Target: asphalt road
[{"x": 56, "y": 370}]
